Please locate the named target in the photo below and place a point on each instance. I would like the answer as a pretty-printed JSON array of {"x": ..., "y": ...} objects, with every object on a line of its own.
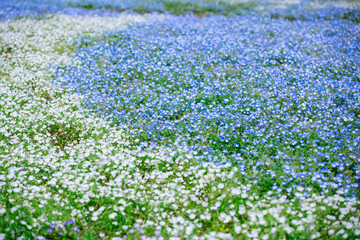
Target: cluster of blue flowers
[
  {"x": 279, "y": 98},
  {"x": 21, "y": 8},
  {"x": 66, "y": 230},
  {"x": 38, "y": 8}
]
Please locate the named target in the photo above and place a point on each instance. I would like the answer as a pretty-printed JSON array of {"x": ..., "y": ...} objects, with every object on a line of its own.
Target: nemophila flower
[
  {"x": 238, "y": 108},
  {"x": 36, "y": 8}
]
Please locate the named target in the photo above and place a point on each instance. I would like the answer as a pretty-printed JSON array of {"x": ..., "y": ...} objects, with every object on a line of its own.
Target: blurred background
[{"x": 290, "y": 9}]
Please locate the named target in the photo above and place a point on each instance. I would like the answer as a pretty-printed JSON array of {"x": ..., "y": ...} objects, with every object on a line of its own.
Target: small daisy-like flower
[{"x": 112, "y": 215}]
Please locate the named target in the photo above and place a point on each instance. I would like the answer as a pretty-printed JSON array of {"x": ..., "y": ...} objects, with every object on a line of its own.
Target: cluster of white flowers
[
  {"x": 56, "y": 162},
  {"x": 338, "y": 4}
]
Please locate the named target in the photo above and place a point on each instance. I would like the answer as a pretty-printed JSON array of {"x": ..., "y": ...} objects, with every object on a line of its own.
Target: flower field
[{"x": 179, "y": 119}]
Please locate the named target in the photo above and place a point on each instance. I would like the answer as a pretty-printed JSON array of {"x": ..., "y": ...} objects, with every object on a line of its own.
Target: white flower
[
  {"x": 330, "y": 217},
  {"x": 227, "y": 219},
  {"x": 348, "y": 225},
  {"x": 101, "y": 209},
  {"x": 282, "y": 219},
  {"x": 235, "y": 191},
  {"x": 254, "y": 233},
  {"x": 288, "y": 229},
  {"x": 242, "y": 209},
  {"x": 101, "y": 235},
  {"x": 237, "y": 229},
  {"x": 204, "y": 204},
  {"x": 315, "y": 235},
  {"x": 14, "y": 209},
  {"x": 2, "y": 211},
  {"x": 113, "y": 215}
]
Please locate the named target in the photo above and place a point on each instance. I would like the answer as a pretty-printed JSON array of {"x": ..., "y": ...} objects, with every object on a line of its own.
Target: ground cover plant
[{"x": 203, "y": 122}]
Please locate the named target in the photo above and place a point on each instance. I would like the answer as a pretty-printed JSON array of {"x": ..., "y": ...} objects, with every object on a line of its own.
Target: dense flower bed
[
  {"x": 278, "y": 97},
  {"x": 288, "y": 9},
  {"x": 198, "y": 126}
]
